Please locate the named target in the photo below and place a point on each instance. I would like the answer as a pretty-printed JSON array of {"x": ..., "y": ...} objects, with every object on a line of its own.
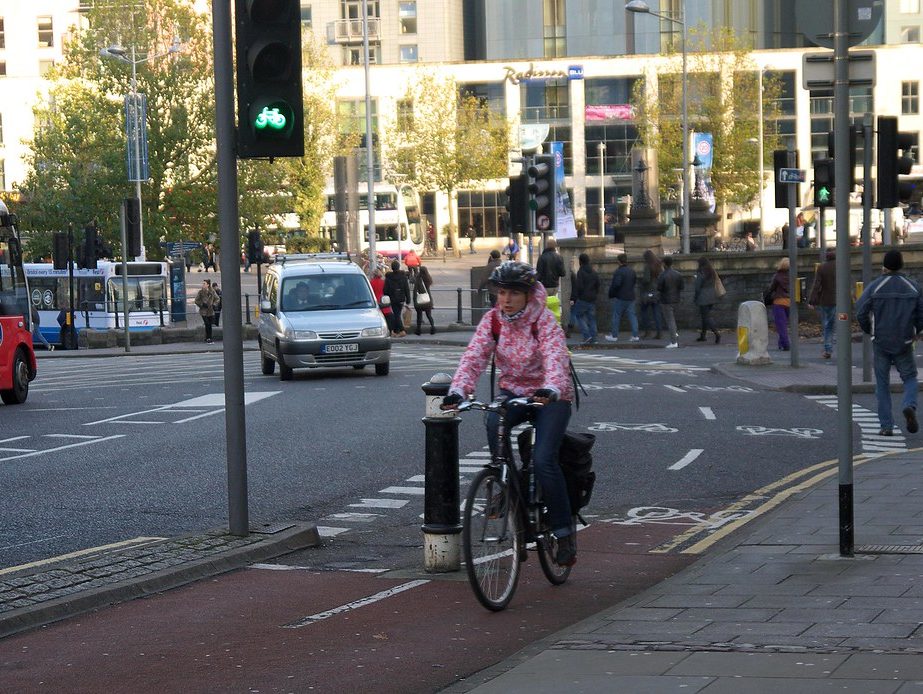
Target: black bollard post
[
  {"x": 441, "y": 521},
  {"x": 459, "y": 320},
  {"x": 247, "y": 302},
  {"x": 161, "y": 312}
]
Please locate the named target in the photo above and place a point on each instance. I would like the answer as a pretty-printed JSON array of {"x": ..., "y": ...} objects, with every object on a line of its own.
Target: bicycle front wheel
[
  {"x": 492, "y": 539},
  {"x": 547, "y": 550}
]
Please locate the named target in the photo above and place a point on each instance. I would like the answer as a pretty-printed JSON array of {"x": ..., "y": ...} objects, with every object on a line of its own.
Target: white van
[{"x": 318, "y": 310}]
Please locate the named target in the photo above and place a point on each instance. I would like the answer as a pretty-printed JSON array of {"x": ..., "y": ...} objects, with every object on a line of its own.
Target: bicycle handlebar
[{"x": 497, "y": 405}]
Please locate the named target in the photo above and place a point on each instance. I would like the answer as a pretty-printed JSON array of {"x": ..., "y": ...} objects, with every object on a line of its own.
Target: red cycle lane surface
[{"x": 228, "y": 633}]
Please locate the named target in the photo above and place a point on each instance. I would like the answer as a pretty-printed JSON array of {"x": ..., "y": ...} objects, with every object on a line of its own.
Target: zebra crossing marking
[{"x": 867, "y": 421}]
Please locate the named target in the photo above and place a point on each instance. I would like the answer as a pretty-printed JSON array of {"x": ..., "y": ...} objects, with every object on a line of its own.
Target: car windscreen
[{"x": 326, "y": 292}]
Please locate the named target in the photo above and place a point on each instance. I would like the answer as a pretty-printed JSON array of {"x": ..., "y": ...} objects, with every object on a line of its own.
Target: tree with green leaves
[
  {"x": 447, "y": 142},
  {"x": 723, "y": 88}
]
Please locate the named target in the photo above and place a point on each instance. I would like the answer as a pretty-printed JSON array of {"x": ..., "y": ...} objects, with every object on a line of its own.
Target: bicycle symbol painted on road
[
  {"x": 797, "y": 432},
  {"x": 661, "y": 515},
  {"x": 655, "y": 428}
]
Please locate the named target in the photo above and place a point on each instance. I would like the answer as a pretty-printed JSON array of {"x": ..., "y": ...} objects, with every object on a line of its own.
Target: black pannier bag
[{"x": 577, "y": 464}]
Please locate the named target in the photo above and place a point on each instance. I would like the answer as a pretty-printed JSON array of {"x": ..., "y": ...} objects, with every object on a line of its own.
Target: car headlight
[
  {"x": 373, "y": 332},
  {"x": 305, "y": 335}
]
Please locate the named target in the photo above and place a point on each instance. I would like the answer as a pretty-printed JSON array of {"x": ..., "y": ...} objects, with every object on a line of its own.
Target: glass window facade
[
  {"x": 485, "y": 210},
  {"x": 554, "y": 28},
  {"x": 407, "y": 14},
  {"x": 910, "y": 98},
  {"x": 408, "y": 54},
  {"x": 491, "y": 94},
  {"x": 45, "y": 32}
]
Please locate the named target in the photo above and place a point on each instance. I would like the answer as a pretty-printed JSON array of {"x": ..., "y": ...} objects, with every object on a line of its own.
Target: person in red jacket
[
  {"x": 531, "y": 354},
  {"x": 378, "y": 289}
]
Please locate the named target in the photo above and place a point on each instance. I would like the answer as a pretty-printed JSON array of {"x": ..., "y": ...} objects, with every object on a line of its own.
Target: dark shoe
[
  {"x": 646, "y": 334},
  {"x": 910, "y": 414},
  {"x": 416, "y": 332},
  {"x": 657, "y": 336},
  {"x": 825, "y": 355},
  {"x": 700, "y": 338},
  {"x": 885, "y": 432},
  {"x": 717, "y": 337},
  {"x": 432, "y": 331},
  {"x": 567, "y": 551}
]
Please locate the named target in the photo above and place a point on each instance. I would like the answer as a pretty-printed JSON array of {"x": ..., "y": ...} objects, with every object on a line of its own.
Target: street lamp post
[
  {"x": 602, "y": 188},
  {"x": 125, "y": 56},
  {"x": 642, "y": 7}
]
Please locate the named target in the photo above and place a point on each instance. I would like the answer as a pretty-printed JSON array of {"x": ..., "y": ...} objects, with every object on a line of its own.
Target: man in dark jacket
[
  {"x": 622, "y": 293},
  {"x": 670, "y": 288},
  {"x": 492, "y": 261},
  {"x": 891, "y": 311},
  {"x": 823, "y": 295},
  {"x": 550, "y": 267},
  {"x": 397, "y": 287},
  {"x": 583, "y": 299}
]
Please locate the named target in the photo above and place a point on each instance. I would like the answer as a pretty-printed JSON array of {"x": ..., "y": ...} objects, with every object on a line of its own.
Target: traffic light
[
  {"x": 254, "y": 247},
  {"x": 517, "y": 204},
  {"x": 90, "y": 242},
  {"x": 893, "y": 159},
  {"x": 542, "y": 193},
  {"x": 270, "y": 111},
  {"x": 823, "y": 182},
  {"x": 132, "y": 228},
  {"x": 59, "y": 250},
  {"x": 780, "y": 161}
]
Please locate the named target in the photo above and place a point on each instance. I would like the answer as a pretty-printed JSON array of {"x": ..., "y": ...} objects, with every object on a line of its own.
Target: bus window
[
  {"x": 13, "y": 298},
  {"x": 90, "y": 295},
  {"x": 144, "y": 293}
]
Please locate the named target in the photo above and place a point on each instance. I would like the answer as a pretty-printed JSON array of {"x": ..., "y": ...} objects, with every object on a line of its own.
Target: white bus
[
  {"x": 398, "y": 224},
  {"x": 98, "y": 296}
]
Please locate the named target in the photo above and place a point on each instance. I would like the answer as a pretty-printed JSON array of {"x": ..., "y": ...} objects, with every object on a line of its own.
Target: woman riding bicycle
[{"x": 530, "y": 350}]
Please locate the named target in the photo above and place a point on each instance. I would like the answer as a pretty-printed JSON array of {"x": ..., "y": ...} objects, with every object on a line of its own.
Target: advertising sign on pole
[{"x": 566, "y": 227}]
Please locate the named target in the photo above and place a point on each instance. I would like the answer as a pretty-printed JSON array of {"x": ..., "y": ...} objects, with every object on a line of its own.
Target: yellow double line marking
[{"x": 777, "y": 492}]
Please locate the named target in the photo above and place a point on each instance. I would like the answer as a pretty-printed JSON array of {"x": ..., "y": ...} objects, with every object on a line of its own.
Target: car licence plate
[{"x": 335, "y": 349}]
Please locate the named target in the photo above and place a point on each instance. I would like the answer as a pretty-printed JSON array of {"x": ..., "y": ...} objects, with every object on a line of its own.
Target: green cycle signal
[{"x": 270, "y": 118}]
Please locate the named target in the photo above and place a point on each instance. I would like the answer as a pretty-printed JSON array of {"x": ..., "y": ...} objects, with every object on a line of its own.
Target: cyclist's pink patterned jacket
[{"x": 527, "y": 358}]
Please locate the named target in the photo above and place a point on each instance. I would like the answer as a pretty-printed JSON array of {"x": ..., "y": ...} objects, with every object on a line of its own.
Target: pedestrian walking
[
  {"x": 583, "y": 299},
  {"x": 650, "y": 298},
  {"x": 823, "y": 296},
  {"x": 550, "y": 267},
  {"x": 378, "y": 289},
  {"x": 781, "y": 303},
  {"x": 622, "y": 293},
  {"x": 891, "y": 311},
  {"x": 511, "y": 250},
  {"x": 397, "y": 287},
  {"x": 217, "y": 290},
  {"x": 209, "y": 258},
  {"x": 205, "y": 300},
  {"x": 493, "y": 261},
  {"x": 705, "y": 297},
  {"x": 430, "y": 238},
  {"x": 750, "y": 242},
  {"x": 472, "y": 235},
  {"x": 669, "y": 289},
  {"x": 423, "y": 299},
  {"x": 36, "y": 332}
]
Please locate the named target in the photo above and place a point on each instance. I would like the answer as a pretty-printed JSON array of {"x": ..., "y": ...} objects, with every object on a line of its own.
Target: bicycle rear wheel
[
  {"x": 547, "y": 549},
  {"x": 491, "y": 539}
]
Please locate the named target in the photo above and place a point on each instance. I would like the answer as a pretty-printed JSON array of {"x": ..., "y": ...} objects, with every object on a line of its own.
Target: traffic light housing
[
  {"x": 59, "y": 254},
  {"x": 132, "y": 228},
  {"x": 517, "y": 204},
  {"x": 780, "y": 161},
  {"x": 90, "y": 243},
  {"x": 893, "y": 160},
  {"x": 270, "y": 110},
  {"x": 254, "y": 247},
  {"x": 542, "y": 193},
  {"x": 824, "y": 182}
]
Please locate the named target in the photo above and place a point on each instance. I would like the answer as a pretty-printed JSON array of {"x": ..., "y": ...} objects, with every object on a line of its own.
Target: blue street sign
[
  {"x": 575, "y": 72},
  {"x": 136, "y": 137},
  {"x": 792, "y": 176}
]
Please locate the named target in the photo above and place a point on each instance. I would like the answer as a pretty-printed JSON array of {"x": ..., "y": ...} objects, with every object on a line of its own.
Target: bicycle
[{"x": 503, "y": 512}]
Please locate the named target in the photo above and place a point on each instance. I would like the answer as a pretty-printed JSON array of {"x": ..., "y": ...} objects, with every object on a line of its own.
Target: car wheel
[
  {"x": 20, "y": 390},
  {"x": 267, "y": 364},
  {"x": 285, "y": 372},
  {"x": 382, "y": 369}
]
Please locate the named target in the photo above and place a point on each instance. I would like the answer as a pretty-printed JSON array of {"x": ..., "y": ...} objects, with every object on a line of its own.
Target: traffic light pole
[
  {"x": 228, "y": 225},
  {"x": 69, "y": 338},
  {"x": 867, "y": 131},
  {"x": 792, "y": 263},
  {"x": 124, "y": 231},
  {"x": 843, "y": 299}
]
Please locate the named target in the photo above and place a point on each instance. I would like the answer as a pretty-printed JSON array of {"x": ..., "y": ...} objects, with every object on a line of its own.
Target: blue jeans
[
  {"x": 828, "y": 322},
  {"x": 620, "y": 306},
  {"x": 585, "y": 314},
  {"x": 550, "y": 425},
  {"x": 907, "y": 368},
  {"x": 648, "y": 310}
]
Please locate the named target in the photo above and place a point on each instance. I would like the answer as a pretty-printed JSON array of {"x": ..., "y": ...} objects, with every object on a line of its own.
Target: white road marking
[
  {"x": 13, "y": 438},
  {"x": 707, "y": 412},
  {"x": 198, "y": 416},
  {"x": 380, "y": 503},
  {"x": 357, "y": 517},
  {"x": 125, "y": 416},
  {"x": 60, "y": 448},
  {"x": 686, "y": 459},
  {"x": 355, "y": 604},
  {"x": 478, "y": 454},
  {"x": 676, "y": 388},
  {"x": 217, "y": 399},
  {"x": 417, "y": 478},
  {"x": 325, "y": 531},
  {"x": 70, "y": 436},
  {"x": 417, "y": 491}
]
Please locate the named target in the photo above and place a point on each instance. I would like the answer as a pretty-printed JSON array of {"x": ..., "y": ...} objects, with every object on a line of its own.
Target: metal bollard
[
  {"x": 459, "y": 320},
  {"x": 441, "y": 520},
  {"x": 247, "y": 302},
  {"x": 161, "y": 311}
]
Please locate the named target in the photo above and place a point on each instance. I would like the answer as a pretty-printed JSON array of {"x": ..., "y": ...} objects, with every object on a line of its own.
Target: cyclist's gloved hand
[
  {"x": 545, "y": 395},
  {"x": 451, "y": 401}
]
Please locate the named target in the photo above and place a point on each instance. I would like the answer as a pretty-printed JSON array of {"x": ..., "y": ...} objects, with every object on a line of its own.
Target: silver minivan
[{"x": 319, "y": 311}]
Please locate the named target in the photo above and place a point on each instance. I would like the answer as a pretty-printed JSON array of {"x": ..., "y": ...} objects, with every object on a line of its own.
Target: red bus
[{"x": 17, "y": 358}]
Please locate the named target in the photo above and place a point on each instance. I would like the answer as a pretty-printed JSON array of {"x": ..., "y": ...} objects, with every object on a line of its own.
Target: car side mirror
[
  {"x": 385, "y": 301},
  {"x": 265, "y": 306}
]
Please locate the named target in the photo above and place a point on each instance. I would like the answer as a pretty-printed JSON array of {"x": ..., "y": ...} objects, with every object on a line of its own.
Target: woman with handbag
[
  {"x": 706, "y": 296},
  {"x": 778, "y": 293},
  {"x": 423, "y": 299},
  {"x": 398, "y": 290},
  {"x": 650, "y": 302}
]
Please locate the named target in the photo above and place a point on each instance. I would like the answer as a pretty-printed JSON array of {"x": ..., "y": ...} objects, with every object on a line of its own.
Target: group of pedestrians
[{"x": 405, "y": 289}]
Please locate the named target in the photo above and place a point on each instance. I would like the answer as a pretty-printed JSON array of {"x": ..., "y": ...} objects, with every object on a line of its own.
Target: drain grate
[
  {"x": 890, "y": 549},
  {"x": 270, "y": 528}
]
